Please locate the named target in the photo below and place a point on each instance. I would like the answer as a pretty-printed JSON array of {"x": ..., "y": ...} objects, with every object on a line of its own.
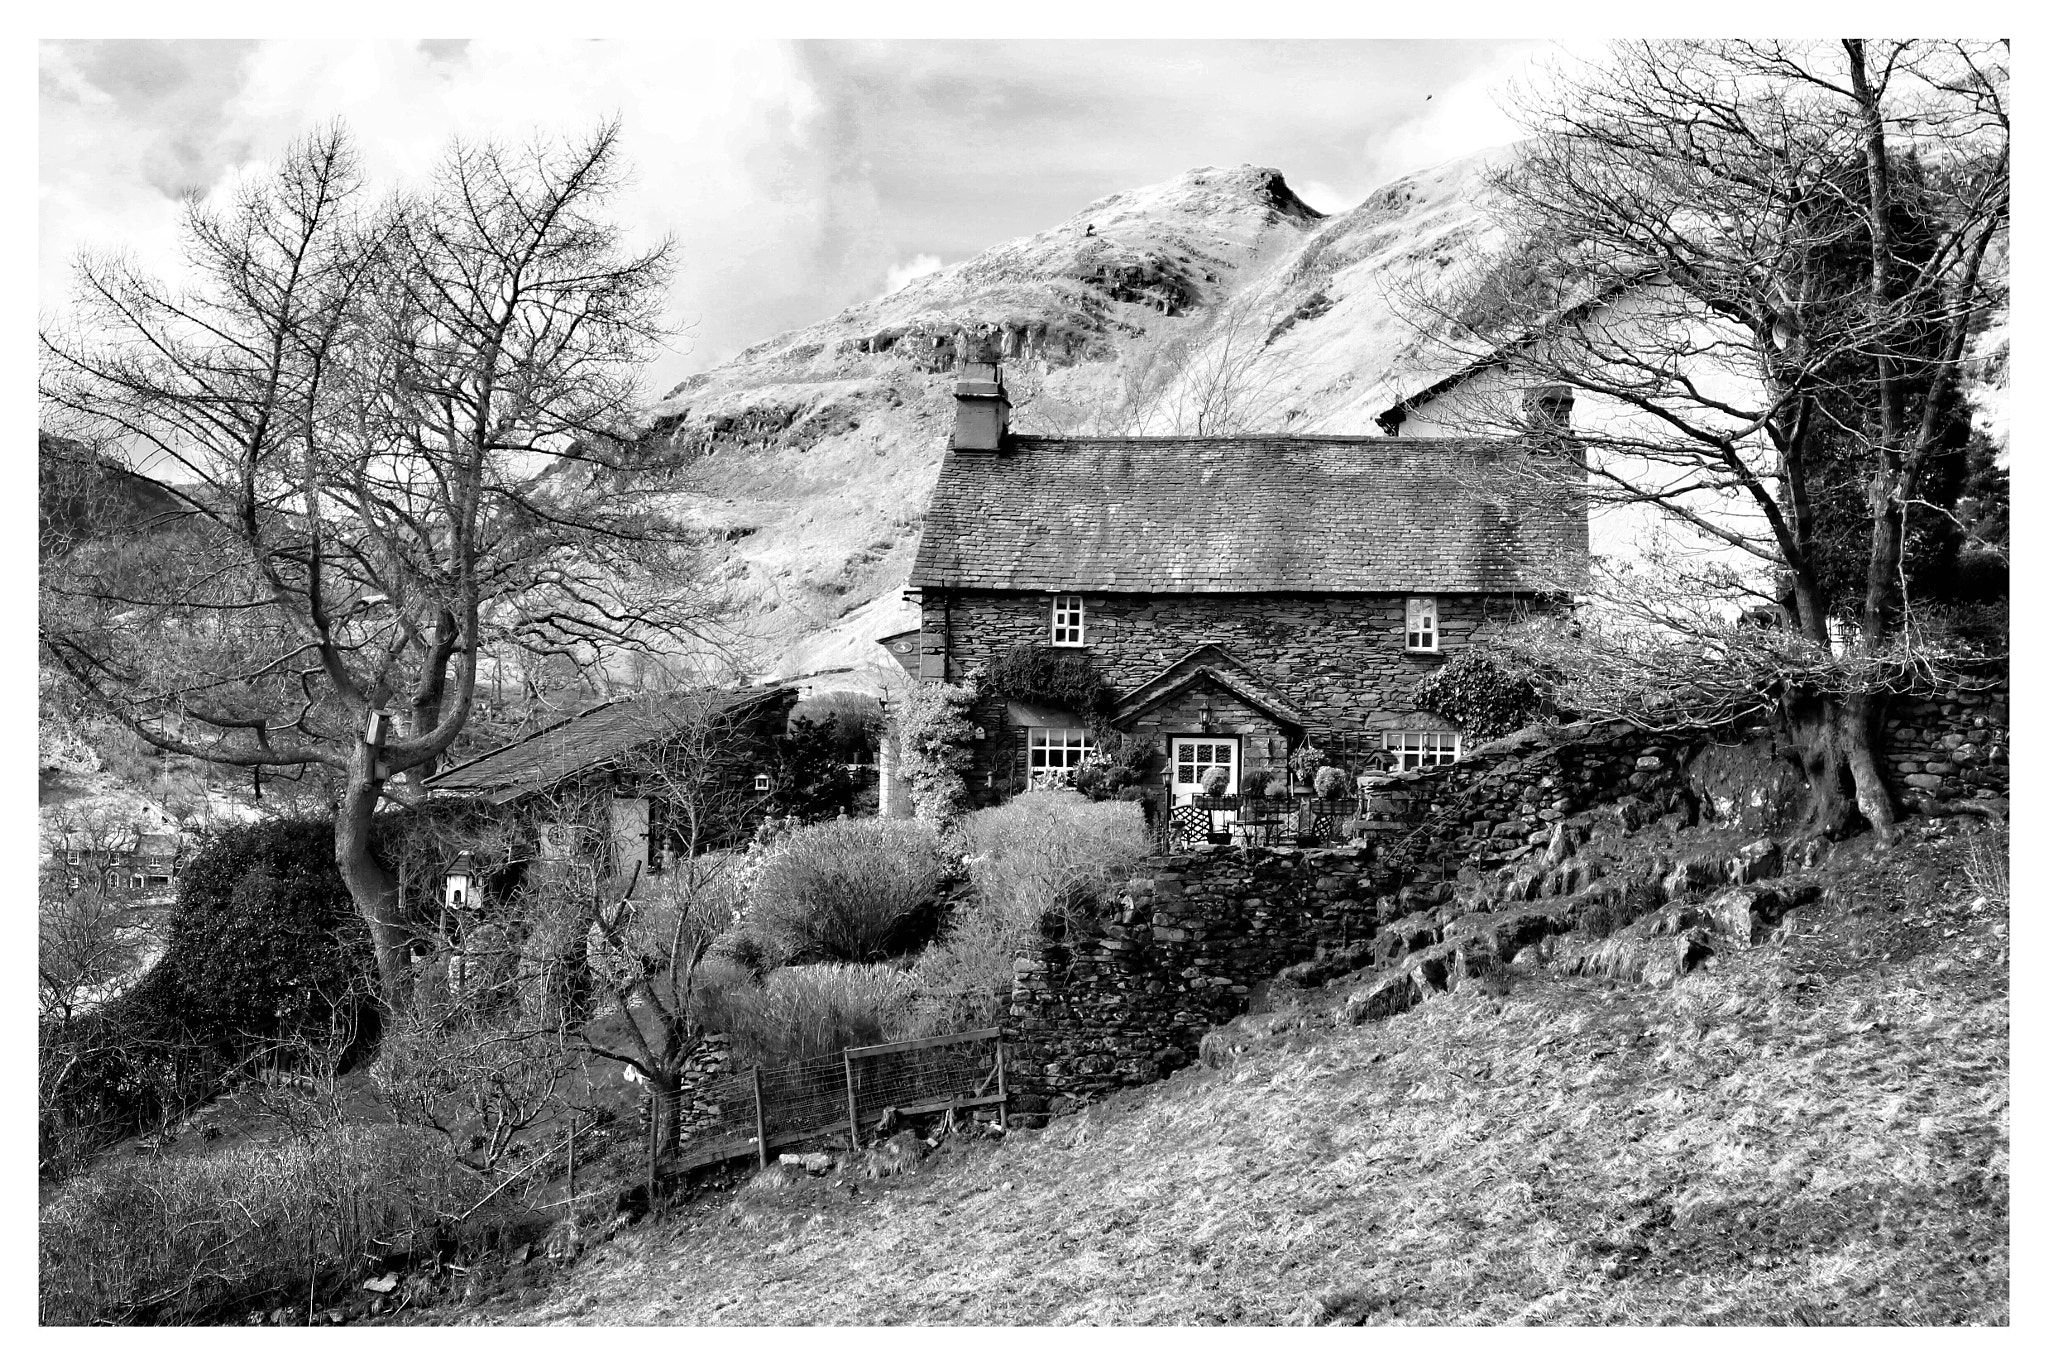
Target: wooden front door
[{"x": 1194, "y": 755}]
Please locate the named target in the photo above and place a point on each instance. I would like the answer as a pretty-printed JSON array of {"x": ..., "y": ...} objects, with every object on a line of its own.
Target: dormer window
[
  {"x": 1422, "y": 624},
  {"x": 1068, "y": 626}
]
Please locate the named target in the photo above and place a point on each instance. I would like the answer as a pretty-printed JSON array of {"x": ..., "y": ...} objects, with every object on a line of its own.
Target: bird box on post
[{"x": 459, "y": 886}]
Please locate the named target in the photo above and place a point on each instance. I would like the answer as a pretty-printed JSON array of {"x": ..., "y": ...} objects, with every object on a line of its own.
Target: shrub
[
  {"x": 852, "y": 721},
  {"x": 264, "y": 949},
  {"x": 265, "y": 943},
  {"x": 1332, "y": 783},
  {"x": 849, "y": 890},
  {"x": 1264, "y": 782},
  {"x": 812, "y": 1010},
  {"x": 184, "y": 1240},
  {"x": 1487, "y": 692},
  {"x": 1044, "y": 862},
  {"x": 1215, "y": 780},
  {"x": 1118, "y": 768}
]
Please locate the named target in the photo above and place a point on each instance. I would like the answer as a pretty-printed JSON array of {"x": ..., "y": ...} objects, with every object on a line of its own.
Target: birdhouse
[{"x": 459, "y": 885}]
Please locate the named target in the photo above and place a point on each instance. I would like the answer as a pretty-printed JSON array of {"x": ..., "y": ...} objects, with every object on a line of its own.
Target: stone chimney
[{"x": 981, "y": 417}]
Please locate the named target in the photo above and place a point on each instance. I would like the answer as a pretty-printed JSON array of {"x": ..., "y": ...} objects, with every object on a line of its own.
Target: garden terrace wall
[{"x": 1197, "y": 932}]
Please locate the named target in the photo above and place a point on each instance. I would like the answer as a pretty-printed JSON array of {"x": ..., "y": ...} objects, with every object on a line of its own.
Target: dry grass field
[{"x": 1813, "y": 1132}]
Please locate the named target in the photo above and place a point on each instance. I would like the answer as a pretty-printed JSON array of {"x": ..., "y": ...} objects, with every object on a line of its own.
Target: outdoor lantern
[{"x": 459, "y": 885}]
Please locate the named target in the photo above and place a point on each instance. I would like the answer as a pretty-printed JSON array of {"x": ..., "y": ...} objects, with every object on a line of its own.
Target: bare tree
[
  {"x": 88, "y": 943},
  {"x": 1709, "y": 252},
  {"x": 394, "y": 434}
]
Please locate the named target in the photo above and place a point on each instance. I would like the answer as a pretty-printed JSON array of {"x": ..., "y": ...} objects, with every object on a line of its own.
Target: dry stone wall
[
  {"x": 1197, "y": 933},
  {"x": 1950, "y": 745}
]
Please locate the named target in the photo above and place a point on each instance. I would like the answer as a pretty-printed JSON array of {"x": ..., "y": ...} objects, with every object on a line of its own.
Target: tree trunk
[
  {"x": 370, "y": 885},
  {"x": 1835, "y": 739}
]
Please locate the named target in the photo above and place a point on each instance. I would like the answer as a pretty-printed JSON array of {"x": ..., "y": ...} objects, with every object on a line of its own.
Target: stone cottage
[
  {"x": 1235, "y": 596},
  {"x": 646, "y": 777}
]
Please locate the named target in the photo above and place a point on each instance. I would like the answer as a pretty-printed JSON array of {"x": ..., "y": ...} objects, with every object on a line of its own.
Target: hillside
[
  {"x": 1814, "y": 1131},
  {"x": 812, "y": 454}
]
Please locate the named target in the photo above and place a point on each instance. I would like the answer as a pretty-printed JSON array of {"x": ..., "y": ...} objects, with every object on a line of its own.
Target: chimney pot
[{"x": 981, "y": 417}]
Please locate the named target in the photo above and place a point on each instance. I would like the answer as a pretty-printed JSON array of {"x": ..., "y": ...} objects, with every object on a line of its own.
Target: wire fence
[{"x": 848, "y": 1092}]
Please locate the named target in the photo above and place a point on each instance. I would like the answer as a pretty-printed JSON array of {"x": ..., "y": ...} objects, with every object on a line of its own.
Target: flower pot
[{"x": 1219, "y": 837}]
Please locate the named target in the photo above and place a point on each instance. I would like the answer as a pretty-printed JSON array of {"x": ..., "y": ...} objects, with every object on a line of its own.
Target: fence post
[
  {"x": 852, "y": 1109},
  {"x": 1002, "y": 1089},
  {"x": 760, "y": 1121}
]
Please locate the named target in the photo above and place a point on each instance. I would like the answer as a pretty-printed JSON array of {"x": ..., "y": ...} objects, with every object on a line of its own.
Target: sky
[{"x": 797, "y": 178}]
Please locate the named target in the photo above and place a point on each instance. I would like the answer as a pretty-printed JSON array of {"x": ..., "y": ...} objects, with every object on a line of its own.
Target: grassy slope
[{"x": 1815, "y": 1132}]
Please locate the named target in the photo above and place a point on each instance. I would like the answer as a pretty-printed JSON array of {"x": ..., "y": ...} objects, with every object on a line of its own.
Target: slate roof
[
  {"x": 1255, "y": 514},
  {"x": 583, "y": 741}
]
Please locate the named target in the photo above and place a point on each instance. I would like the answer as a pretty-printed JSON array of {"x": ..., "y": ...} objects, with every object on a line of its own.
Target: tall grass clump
[
  {"x": 849, "y": 891},
  {"x": 814, "y": 1010},
  {"x": 1987, "y": 864},
  {"x": 193, "y": 1239},
  {"x": 1044, "y": 862}
]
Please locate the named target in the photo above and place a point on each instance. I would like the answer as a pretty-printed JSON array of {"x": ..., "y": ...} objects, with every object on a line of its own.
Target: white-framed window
[
  {"x": 71, "y": 857},
  {"x": 1068, "y": 624},
  {"x": 1057, "y": 750},
  {"x": 1421, "y": 748},
  {"x": 1422, "y": 623},
  {"x": 760, "y": 782},
  {"x": 134, "y": 881}
]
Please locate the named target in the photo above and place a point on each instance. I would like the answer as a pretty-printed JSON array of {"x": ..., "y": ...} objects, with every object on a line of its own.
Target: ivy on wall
[
  {"x": 1061, "y": 678},
  {"x": 1485, "y": 693}
]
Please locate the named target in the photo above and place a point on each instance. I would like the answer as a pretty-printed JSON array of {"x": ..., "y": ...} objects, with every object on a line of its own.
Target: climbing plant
[
  {"x": 936, "y": 735},
  {"x": 1064, "y": 678},
  {"x": 1485, "y": 692}
]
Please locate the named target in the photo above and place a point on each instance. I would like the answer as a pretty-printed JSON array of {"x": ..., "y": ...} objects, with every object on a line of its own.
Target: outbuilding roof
[
  {"x": 586, "y": 740},
  {"x": 1256, "y": 514}
]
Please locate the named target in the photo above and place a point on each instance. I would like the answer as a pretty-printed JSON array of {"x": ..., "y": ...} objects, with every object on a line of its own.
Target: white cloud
[
  {"x": 1318, "y": 194},
  {"x": 902, "y": 273},
  {"x": 720, "y": 143}
]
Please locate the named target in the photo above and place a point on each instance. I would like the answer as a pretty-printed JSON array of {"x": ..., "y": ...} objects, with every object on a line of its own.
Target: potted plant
[{"x": 1303, "y": 766}]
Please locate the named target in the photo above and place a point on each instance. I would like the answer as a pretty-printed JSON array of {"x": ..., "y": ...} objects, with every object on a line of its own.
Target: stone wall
[
  {"x": 1951, "y": 744},
  {"x": 1198, "y": 932},
  {"x": 1504, "y": 796}
]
